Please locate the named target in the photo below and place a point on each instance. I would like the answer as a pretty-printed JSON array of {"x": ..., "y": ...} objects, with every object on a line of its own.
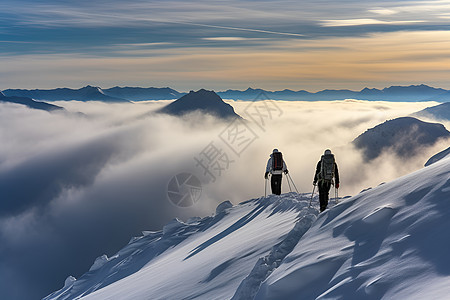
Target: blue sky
[{"x": 224, "y": 44}]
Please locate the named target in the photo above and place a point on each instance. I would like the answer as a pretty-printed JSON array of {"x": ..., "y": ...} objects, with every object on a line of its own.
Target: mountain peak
[
  {"x": 90, "y": 87},
  {"x": 405, "y": 136},
  {"x": 143, "y": 94},
  {"x": 202, "y": 100}
]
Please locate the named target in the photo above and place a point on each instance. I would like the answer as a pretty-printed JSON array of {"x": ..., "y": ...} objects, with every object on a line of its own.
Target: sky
[
  {"x": 188, "y": 45},
  {"x": 75, "y": 187}
]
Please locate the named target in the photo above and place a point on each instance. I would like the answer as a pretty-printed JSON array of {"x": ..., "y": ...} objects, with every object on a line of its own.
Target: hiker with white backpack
[
  {"x": 326, "y": 171},
  {"x": 276, "y": 166}
]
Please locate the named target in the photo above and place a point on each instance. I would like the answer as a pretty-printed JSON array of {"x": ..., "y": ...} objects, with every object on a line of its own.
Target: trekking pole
[
  {"x": 312, "y": 194},
  {"x": 265, "y": 187},
  {"x": 289, "y": 184},
  {"x": 289, "y": 176},
  {"x": 336, "y": 195}
]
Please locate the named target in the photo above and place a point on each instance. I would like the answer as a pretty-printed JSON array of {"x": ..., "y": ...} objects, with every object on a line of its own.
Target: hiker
[
  {"x": 326, "y": 170},
  {"x": 275, "y": 166}
]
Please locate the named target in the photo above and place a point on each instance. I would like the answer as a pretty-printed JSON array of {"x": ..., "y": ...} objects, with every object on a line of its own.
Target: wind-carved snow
[
  {"x": 204, "y": 258},
  {"x": 438, "y": 156},
  {"x": 389, "y": 242},
  {"x": 265, "y": 265}
]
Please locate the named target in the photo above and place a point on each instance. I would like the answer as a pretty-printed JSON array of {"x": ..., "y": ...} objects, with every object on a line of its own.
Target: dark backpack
[
  {"x": 277, "y": 161},
  {"x": 327, "y": 167}
]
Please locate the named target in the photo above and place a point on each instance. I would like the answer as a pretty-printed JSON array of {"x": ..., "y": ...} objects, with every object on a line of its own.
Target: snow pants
[
  {"x": 324, "y": 189},
  {"x": 275, "y": 183}
]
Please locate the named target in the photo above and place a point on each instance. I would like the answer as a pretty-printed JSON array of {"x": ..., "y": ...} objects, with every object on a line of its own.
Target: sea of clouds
[{"x": 74, "y": 186}]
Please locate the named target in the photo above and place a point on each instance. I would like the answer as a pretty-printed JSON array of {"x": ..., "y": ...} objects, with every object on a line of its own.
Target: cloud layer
[{"x": 75, "y": 187}]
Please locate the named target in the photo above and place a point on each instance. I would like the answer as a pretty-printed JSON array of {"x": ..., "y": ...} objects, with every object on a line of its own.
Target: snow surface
[
  {"x": 438, "y": 112},
  {"x": 404, "y": 136},
  {"x": 204, "y": 259},
  {"x": 438, "y": 156},
  {"x": 388, "y": 242}
]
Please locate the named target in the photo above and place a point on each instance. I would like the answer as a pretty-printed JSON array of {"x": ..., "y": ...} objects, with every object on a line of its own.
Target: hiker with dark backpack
[
  {"x": 276, "y": 166},
  {"x": 326, "y": 170}
]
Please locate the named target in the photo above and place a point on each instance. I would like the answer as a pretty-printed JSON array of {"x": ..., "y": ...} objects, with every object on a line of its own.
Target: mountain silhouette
[
  {"x": 87, "y": 93},
  {"x": 142, "y": 94},
  {"x": 439, "y": 112},
  {"x": 30, "y": 103},
  {"x": 207, "y": 102},
  {"x": 404, "y": 136},
  {"x": 438, "y": 156},
  {"x": 409, "y": 93}
]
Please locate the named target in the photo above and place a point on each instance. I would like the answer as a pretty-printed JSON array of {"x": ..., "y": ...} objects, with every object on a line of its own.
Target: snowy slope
[
  {"x": 28, "y": 102},
  {"x": 390, "y": 242},
  {"x": 205, "y": 101},
  {"x": 438, "y": 112},
  {"x": 438, "y": 156},
  {"x": 203, "y": 259},
  {"x": 403, "y": 136}
]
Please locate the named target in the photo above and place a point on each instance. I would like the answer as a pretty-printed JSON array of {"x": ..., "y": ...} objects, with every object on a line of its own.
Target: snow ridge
[
  {"x": 390, "y": 242},
  {"x": 438, "y": 156},
  {"x": 217, "y": 252},
  {"x": 266, "y": 265}
]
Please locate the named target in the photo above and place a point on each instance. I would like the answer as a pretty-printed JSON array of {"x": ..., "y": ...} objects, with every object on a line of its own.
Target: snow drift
[
  {"x": 438, "y": 156},
  {"x": 388, "y": 242},
  {"x": 201, "y": 259}
]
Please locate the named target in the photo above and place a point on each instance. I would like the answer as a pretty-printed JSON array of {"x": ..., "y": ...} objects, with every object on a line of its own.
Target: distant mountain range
[
  {"x": 30, "y": 103},
  {"x": 411, "y": 93},
  {"x": 87, "y": 93},
  {"x": 403, "y": 136},
  {"x": 142, "y": 94},
  {"x": 204, "y": 101}
]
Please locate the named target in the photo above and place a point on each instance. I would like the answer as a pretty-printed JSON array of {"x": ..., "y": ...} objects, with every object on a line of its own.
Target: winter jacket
[
  {"x": 318, "y": 170},
  {"x": 274, "y": 172}
]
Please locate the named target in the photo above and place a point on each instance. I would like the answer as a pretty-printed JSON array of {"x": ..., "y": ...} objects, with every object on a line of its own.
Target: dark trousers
[
  {"x": 275, "y": 182},
  {"x": 324, "y": 189}
]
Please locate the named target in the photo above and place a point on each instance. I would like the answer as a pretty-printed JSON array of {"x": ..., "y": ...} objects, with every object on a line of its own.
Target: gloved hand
[
  {"x": 286, "y": 171},
  {"x": 314, "y": 183},
  {"x": 266, "y": 176},
  {"x": 337, "y": 185}
]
